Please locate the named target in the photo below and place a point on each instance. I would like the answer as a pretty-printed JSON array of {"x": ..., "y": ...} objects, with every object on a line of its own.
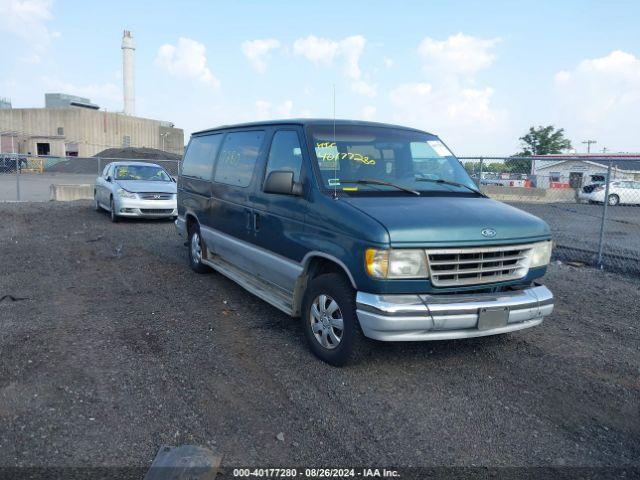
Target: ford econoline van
[{"x": 362, "y": 230}]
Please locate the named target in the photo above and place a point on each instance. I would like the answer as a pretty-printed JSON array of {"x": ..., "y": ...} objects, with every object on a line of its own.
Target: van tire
[
  {"x": 353, "y": 345},
  {"x": 195, "y": 253}
]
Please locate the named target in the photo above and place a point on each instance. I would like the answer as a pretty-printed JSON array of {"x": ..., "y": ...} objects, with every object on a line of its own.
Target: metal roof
[{"x": 307, "y": 121}]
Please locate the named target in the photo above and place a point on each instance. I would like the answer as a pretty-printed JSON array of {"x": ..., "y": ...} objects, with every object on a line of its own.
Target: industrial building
[{"x": 74, "y": 126}]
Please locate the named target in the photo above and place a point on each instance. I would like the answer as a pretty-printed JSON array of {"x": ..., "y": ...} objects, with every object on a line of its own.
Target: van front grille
[{"x": 453, "y": 267}]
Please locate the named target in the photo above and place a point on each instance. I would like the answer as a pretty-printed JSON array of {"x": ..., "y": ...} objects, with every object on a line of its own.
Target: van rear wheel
[
  {"x": 330, "y": 322},
  {"x": 196, "y": 247}
]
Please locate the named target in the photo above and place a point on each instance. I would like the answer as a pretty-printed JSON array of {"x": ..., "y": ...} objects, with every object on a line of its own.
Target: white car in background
[
  {"x": 136, "y": 189},
  {"x": 621, "y": 192}
]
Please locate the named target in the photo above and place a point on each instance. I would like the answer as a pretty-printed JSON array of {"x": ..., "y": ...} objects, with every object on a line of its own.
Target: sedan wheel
[
  {"x": 614, "y": 200},
  {"x": 112, "y": 211}
]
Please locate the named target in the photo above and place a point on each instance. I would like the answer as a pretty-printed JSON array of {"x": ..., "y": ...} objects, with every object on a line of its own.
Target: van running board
[{"x": 260, "y": 288}]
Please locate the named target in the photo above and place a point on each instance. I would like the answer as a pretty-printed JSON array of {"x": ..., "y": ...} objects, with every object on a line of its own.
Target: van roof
[{"x": 305, "y": 122}]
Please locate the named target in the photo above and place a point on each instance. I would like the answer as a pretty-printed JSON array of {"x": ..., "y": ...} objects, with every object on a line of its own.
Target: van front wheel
[{"x": 330, "y": 322}]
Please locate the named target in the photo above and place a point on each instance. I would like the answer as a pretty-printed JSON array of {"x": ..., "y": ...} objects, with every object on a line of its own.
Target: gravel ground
[{"x": 114, "y": 347}]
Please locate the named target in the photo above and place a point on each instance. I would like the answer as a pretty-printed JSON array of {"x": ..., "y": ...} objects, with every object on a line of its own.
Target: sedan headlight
[
  {"x": 541, "y": 254},
  {"x": 396, "y": 264},
  {"x": 125, "y": 194}
]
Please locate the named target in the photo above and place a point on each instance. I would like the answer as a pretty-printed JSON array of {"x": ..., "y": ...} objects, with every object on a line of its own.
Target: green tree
[{"x": 538, "y": 141}]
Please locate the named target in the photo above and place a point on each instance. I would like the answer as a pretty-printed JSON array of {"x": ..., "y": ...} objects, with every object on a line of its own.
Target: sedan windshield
[
  {"x": 141, "y": 172},
  {"x": 364, "y": 158}
]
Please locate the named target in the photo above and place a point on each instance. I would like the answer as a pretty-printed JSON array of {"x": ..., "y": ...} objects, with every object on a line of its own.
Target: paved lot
[
  {"x": 35, "y": 187},
  {"x": 116, "y": 348}
]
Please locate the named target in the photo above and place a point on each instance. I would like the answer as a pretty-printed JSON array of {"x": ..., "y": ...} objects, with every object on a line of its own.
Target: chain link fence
[
  {"x": 32, "y": 178},
  {"x": 592, "y": 203}
]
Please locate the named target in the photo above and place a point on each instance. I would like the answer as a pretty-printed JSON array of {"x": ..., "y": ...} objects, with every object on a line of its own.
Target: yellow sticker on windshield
[{"x": 350, "y": 189}]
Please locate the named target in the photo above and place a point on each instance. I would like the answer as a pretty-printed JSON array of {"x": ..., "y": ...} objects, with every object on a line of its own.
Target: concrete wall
[{"x": 91, "y": 130}]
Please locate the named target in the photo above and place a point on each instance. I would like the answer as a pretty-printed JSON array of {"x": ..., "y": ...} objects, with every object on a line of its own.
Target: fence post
[
  {"x": 99, "y": 165},
  {"x": 480, "y": 173},
  {"x": 17, "y": 160},
  {"x": 604, "y": 218}
]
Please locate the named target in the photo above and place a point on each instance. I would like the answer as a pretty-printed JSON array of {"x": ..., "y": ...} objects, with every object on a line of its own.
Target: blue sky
[{"x": 476, "y": 73}]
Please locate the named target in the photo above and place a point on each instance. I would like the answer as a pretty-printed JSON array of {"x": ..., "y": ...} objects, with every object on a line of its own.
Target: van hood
[
  {"x": 429, "y": 221},
  {"x": 141, "y": 186}
]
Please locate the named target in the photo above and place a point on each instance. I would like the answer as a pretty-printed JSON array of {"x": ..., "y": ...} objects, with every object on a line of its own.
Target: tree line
[{"x": 537, "y": 141}]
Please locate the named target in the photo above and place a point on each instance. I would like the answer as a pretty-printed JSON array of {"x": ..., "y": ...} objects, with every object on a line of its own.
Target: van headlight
[
  {"x": 125, "y": 194},
  {"x": 541, "y": 254},
  {"x": 396, "y": 264}
]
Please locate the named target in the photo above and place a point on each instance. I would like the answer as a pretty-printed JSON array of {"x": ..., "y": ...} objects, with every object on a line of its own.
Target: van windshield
[{"x": 409, "y": 159}]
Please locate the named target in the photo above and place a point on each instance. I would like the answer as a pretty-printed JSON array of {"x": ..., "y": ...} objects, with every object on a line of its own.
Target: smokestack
[{"x": 128, "y": 49}]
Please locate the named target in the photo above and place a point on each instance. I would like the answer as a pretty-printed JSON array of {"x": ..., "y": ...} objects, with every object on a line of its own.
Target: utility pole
[{"x": 589, "y": 143}]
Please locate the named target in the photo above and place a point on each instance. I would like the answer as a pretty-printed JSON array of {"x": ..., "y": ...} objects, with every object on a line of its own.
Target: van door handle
[
  {"x": 256, "y": 221},
  {"x": 249, "y": 220}
]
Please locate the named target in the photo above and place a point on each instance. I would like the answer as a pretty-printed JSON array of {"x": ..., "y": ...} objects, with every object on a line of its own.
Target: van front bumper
[{"x": 395, "y": 318}]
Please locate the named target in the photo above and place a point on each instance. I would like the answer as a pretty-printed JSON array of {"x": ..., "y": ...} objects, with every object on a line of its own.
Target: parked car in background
[
  {"x": 621, "y": 192},
  {"x": 361, "y": 229},
  {"x": 135, "y": 189}
]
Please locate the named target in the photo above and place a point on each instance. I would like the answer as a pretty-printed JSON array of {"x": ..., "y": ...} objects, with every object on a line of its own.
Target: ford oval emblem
[{"x": 488, "y": 232}]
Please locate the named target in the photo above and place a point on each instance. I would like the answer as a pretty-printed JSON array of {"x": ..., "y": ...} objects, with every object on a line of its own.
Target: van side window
[
  {"x": 199, "y": 158},
  {"x": 237, "y": 158},
  {"x": 285, "y": 154}
]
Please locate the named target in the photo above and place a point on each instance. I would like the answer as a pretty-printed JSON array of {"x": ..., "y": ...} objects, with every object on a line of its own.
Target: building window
[
  {"x": 60, "y": 131},
  {"x": 126, "y": 141},
  {"x": 555, "y": 177},
  {"x": 43, "y": 148}
]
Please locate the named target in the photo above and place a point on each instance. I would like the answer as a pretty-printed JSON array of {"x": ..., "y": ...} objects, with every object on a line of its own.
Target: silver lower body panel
[{"x": 445, "y": 317}]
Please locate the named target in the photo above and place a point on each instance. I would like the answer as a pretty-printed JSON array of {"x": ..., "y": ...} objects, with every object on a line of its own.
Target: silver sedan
[{"x": 136, "y": 189}]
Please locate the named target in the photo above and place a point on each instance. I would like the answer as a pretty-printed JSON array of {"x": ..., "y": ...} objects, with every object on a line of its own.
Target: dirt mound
[
  {"x": 138, "y": 154},
  {"x": 100, "y": 160}
]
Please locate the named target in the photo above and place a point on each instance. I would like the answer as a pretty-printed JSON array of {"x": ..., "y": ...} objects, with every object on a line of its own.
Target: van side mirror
[
  {"x": 281, "y": 182},
  {"x": 108, "y": 178}
]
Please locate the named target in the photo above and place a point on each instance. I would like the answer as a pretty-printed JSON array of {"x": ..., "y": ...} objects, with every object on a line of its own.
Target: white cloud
[
  {"x": 187, "y": 59},
  {"x": 368, "y": 112},
  {"x": 258, "y": 52},
  {"x": 600, "y": 98},
  {"x": 388, "y": 62},
  {"x": 463, "y": 116},
  {"x": 28, "y": 20},
  {"x": 324, "y": 51},
  {"x": 266, "y": 111},
  {"x": 458, "y": 54},
  {"x": 452, "y": 103},
  {"x": 317, "y": 50},
  {"x": 361, "y": 87}
]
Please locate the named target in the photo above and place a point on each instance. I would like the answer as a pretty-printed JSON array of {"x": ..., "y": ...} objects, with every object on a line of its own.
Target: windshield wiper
[
  {"x": 449, "y": 182},
  {"x": 365, "y": 181}
]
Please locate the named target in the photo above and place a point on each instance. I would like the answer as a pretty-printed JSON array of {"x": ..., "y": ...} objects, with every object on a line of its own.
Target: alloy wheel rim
[
  {"x": 327, "y": 323},
  {"x": 196, "y": 250}
]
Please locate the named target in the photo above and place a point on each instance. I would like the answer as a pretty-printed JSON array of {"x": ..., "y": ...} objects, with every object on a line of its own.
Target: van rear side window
[
  {"x": 198, "y": 161},
  {"x": 237, "y": 159}
]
